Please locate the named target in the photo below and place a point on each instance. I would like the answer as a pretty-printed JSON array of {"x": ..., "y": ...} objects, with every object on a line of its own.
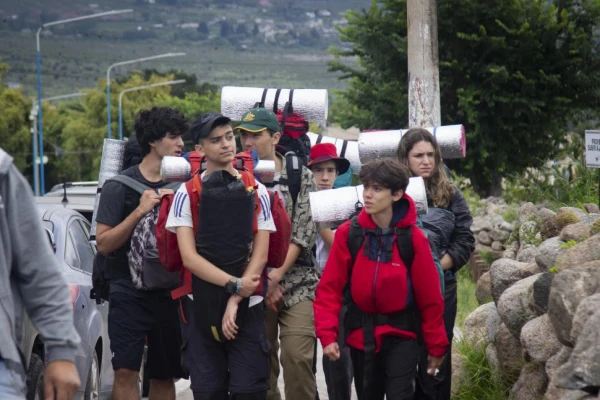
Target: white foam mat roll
[
  {"x": 175, "y": 169},
  {"x": 111, "y": 164},
  {"x": 351, "y": 152},
  {"x": 383, "y": 144},
  {"x": 312, "y": 104},
  {"x": 330, "y": 208}
]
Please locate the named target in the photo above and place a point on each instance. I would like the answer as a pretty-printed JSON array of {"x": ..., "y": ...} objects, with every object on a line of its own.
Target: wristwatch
[{"x": 231, "y": 286}]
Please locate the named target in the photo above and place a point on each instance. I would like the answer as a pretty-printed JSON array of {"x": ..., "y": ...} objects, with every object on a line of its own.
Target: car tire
[
  {"x": 92, "y": 387},
  {"x": 35, "y": 378}
]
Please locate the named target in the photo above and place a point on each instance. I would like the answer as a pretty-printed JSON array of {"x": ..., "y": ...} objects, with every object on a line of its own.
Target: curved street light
[
  {"x": 108, "y": 104},
  {"x": 39, "y": 73},
  {"x": 133, "y": 89}
]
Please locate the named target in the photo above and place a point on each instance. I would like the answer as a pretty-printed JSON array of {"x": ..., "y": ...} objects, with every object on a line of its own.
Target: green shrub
[
  {"x": 479, "y": 381},
  {"x": 558, "y": 185},
  {"x": 511, "y": 214}
]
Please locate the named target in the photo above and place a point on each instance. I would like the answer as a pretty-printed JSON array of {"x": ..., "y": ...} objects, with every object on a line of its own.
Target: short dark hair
[
  {"x": 154, "y": 124},
  {"x": 386, "y": 172}
]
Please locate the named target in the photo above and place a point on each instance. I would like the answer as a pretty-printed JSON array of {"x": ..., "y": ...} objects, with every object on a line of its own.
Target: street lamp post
[
  {"x": 39, "y": 74},
  {"x": 34, "y": 144},
  {"x": 132, "y": 89},
  {"x": 108, "y": 104}
]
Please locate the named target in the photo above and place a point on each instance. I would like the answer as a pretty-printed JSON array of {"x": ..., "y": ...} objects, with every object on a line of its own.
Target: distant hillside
[{"x": 228, "y": 42}]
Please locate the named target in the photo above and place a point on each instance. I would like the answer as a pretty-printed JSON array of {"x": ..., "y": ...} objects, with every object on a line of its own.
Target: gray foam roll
[
  {"x": 332, "y": 207},
  {"x": 111, "y": 164},
  {"x": 351, "y": 152},
  {"x": 383, "y": 144},
  {"x": 312, "y": 104},
  {"x": 175, "y": 169}
]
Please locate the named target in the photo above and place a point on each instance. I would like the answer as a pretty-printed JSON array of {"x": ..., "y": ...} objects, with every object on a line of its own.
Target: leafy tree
[
  {"x": 15, "y": 135},
  {"x": 515, "y": 73}
]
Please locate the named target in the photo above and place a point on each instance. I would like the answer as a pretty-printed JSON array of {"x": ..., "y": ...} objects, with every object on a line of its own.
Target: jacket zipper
[{"x": 377, "y": 271}]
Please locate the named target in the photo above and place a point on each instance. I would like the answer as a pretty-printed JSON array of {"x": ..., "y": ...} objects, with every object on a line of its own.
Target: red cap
[{"x": 327, "y": 151}]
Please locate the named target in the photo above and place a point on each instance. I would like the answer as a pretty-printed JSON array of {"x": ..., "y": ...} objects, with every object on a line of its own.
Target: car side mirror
[{"x": 51, "y": 239}]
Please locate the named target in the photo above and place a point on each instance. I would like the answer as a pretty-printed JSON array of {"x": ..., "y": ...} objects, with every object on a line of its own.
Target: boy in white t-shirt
[
  {"x": 230, "y": 359},
  {"x": 326, "y": 166}
]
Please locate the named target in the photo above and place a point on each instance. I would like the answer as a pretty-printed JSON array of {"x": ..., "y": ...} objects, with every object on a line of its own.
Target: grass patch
[
  {"x": 511, "y": 214},
  {"x": 569, "y": 244},
  {"x": 479, "y": 381},
  {"x": 487, "y": 256},
  {"x": 467, "y": 301}
]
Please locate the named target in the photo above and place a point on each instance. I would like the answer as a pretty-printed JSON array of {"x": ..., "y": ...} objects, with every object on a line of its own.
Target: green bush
[
  {"x": 511, "y": 214},
  {"x": 478, "y": 380},
  {"x": 566, "y": 184}
]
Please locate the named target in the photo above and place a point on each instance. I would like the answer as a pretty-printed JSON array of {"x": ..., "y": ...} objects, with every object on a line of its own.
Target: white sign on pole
[{"x": 592, "y": 149}]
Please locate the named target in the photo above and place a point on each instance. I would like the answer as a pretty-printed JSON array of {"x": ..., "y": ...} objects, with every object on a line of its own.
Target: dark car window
[
  {"x": 81, "y": 244},
  {"x": 70, "y": 253}
]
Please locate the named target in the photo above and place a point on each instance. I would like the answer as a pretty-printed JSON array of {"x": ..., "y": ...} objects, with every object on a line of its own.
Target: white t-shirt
[
  {"x": 180, "y": 214},
  {"x": 322, "y": 251}
]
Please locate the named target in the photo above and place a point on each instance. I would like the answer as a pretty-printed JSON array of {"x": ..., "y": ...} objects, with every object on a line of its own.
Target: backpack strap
[
  {"x": 276, "y": 101},
  {"x": 343, "y": 151},
  {"x": 320, "y": 139},
  {"x": 405, "y": 246},
  {"x": 262, "y": 99},
  {"x": 131, "y": 183},
  {"x": 356, "y": 238},
  {"x": 293, "y": 166}
]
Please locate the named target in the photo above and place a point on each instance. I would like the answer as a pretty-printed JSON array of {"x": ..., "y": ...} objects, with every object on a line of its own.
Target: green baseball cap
[{"x": 259, "y": 119}]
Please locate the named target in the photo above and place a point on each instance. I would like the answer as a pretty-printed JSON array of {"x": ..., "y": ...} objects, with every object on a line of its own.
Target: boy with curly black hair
[{"x": 135, "y": 315}]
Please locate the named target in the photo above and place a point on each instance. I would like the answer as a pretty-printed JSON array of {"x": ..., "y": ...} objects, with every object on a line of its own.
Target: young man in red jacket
[{"x": 390, "y": 286}]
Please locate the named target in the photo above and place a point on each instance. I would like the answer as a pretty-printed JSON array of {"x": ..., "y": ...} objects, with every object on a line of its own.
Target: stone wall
[{"x": 542, "y": 323}]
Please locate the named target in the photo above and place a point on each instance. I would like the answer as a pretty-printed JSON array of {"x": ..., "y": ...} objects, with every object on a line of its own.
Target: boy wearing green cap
[{"x": 292, "y": 286}]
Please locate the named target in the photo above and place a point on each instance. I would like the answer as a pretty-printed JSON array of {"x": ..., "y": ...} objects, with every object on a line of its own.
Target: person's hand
[
  {"x": 332, "y": 351},
  {"x": 249, "y": 285},
  {"x": 433, "y": 364},
  {"x": 148, "y": 201},
  {"x": 61, "y": 380},
  {"x": 230, "y": 329},
  {"x": 275, "y": 276},
  {"x": 274, "y": 295}
]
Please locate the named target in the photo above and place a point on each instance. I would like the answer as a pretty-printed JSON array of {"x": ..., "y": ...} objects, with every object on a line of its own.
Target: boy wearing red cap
[{"x": 326, "y": 167}]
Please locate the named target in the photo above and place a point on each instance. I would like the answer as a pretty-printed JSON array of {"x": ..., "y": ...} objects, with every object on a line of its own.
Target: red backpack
[{"x": 166, "y": 241}]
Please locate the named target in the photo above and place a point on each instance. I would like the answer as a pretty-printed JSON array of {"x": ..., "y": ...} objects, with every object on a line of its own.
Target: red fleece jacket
[{"x": 381, "y": 287}]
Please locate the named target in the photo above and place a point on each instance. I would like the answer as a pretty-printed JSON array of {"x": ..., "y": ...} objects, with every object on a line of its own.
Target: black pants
[
  {"x": 438, "y": 387},
  {"x": 232, "y": 370},
  {"x": 393, "y": 372},
  {"x": 338, "y": 374}
]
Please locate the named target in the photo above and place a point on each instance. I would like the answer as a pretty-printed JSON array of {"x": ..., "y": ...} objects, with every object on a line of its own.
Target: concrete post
[{"x": 423, "y": 64}]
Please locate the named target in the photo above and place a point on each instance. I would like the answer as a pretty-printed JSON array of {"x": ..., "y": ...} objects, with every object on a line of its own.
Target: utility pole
[{"x": 423, "y": 64}]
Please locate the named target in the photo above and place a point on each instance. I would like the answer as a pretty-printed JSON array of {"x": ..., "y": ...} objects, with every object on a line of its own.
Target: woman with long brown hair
[{"x": 448, "y": 223}]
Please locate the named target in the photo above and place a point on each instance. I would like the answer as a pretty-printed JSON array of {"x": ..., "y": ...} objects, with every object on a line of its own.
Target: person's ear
[
  {"x": 276, "y": 137},
  {"x": 398, "y": 195},
  {"x": 200, "y": 149}
]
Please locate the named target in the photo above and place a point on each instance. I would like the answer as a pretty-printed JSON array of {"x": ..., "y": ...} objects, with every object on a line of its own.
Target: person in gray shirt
[{"x": 30, "y": 281}]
